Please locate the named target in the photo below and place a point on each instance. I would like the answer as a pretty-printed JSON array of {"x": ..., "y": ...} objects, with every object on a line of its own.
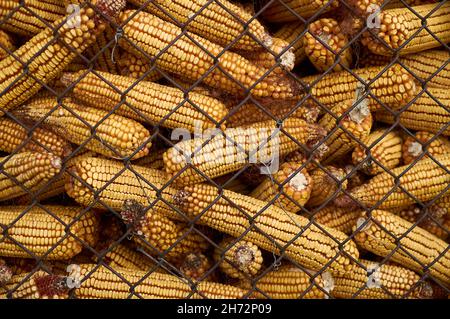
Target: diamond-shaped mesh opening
[{"x": 225, "y": 149}]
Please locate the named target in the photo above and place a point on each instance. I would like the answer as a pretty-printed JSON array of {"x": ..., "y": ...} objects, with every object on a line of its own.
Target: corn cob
[
  {"x": 327, "y": 183},
  {"x": 325, "y": 43},
  {"x": 338, "y": 218},
  {"x": 289, "y": 188},
  {"x": 425, "y": 114},
  {"x": 381, "y": 151},
  {"x": 55, "y": 187},
  {"x": 347, "y": 130},
  {"x": 5, "y": 273},
  {"x": 250, "y": 113},
  {"x": 414, "y": 147},
  {"x": 237, "y": 185},
  {"x": 153, "y": 160},
  {"x": 107, "y": 184},
  {"x": 101, "y": 52},
  {"x": 45, "y": 58},
  {"x": 31, "y": 17},
  {"x": 43, "y": 235},
  {"x": 424, "y": 181},
  {"x": 394, "y": 88},
  {"x": 368, "y": 59},
  {"x": 289, "y": 282},
  {"x": 196, "y": 266},
  {"x": 386, "y": 234},
  {"x": 292, "y": 33},
  {"x": 442, "y": 205},
  {"x": 135, "y": 67},
  {"x": 401, "y": 27},
  {"x": 238, "y": 258},
  {"x": 281, "y": 11},
  {"x": 354, "y": 178},
  {"x": 311, "y": 160},
  {"x": 27, "y": 172},
  {"x": 376, "y": 281},
  {"x": 20, "y": 266},
  {"x": 14, "y": 135},
  {"x": 187, "y": 59},
  {"x": 392, "y": 4},
  {"x": 99, "y": 282},
  {"x": 124, "y": 257},
  {"x": 6, "y": 44},
  {"x": 223, "y": 23},
  {"x": 107, "y": 134},
  {"x": 313, "y": 248},
  {"x": 146, "y": 101},
  {"x": 160, "y": 236},
  {"x": 221, "y": 156},
  {"x": 40, "y": 285}
]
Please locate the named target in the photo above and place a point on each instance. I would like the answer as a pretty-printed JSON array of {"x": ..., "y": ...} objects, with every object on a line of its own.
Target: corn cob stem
[
  {"x": 313, "y": 248},
  {"x": 425, "y": 180},
  {"x": 136, "y": 67},
  {"x": 45, "y": 58},
  {"x": 230, "y": 151},
  {"x": 222, "y": 23},
  {"x": 5, "y": 273},
  {"x": 289, "y": 188},
  {"x": 31, "y": 17},
  {"x": 376, "y": 281},
  {"x": 41, "y": 234},
  {"x": 195, "y": 266},
  {"x": 281, "y": 11},
  {"x": 6, "y": 44},
  {"x": 325, "y": 43},
  {"x": 394, "y": 87},
  {"x": 99, "y": 282},
  {"x": 414, "y": 147},
  {"x": 341, "y": 219},
  {"x": 385, "y": 152},
  {"x": 327, "y": 183},
  {"x": 238, "y": 258},
  {"x": 291, "y": 33},
  {"x": 411, "y": 246},
  {"x": 428, "y": 113},
  {"x": 149, "y": 102},
  {"x": 40, "y": 285},
  {"x": 289, "y": 282},
  {"x": 185, "y": 58},
  {"x": 401, "y": 26},
  {"x": 107, "y": 134}
]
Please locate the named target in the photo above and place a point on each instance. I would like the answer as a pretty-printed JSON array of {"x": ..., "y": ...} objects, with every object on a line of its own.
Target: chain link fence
[{"x": 245, "y": 149}]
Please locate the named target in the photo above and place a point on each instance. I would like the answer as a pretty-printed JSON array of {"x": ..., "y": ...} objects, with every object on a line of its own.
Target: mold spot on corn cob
[{"x": 5, "y": 273}]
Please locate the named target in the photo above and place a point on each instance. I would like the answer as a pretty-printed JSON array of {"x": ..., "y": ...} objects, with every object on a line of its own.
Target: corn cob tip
[
  {"x": 5, "y": 274},
  {"x": 181, "y": 196},
  {"x": 67, "y": 79},
  {"x": 244, "y": 256},
  {"x": 425, "y": 290},
  {"x": 51, "y": 285},
  {"x": 111, "y": 8},
  {"x": 344, "y": 201},
  {"x": 132, "y": 213},
  {"x": 56, "y": 162}
]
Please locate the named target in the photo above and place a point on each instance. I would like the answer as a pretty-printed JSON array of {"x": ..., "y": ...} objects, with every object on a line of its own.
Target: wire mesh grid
[{"x": 346, "y": 197}]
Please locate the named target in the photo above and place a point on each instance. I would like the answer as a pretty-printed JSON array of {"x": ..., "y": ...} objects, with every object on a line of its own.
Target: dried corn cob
[
  {"x": 428, "y": 113},
  {"x": 327, "y": 183},
  {"x": 136, "y": 67},
  {"x": 250, "y": 113},
  {"x": 5, "y": 273},
  {"x": 325, "y": 43},
  {"x": 281, "y": 11},
  {"x": 20, "y": 266},
  {"x": 414, "y": 147},
  {"x": 289, "y": 188},
  {"x": 101, "y": 52},
  {"x": 195, "y": 266},
  {"x": 376, "y": 281},
  {"x": 31, "y": 17},
  {"x": 392, "y": 4},
  {"x": 55, "y": 187},
  {"x": 148, "y": 102},
  {"x": 40, "y": 285},
  {"x": 223, "y": 23},
  {"x": 6, "y": 44},
  {"x": 341, "y": 219},
  {"x": 385, "y": 149},
  {"x": 40, "y": 234},
  {"x": 107, "y": 134},
  {"x": 45, "y": 58},
  {"x": 354, "y": 178},
  {"x": 27, "y": 172},
  {"x": 107, "y": 184},
  {"x": 347, "y": 130},
  {"x": 99, "y": 282},
  {"x": 291, "y": 32},
  {"x": 159, "y": 235},
  {"x": 313, "y": 248},
  {"x": 221, "y": 156},
  {"x": 401, "y": 27},
  {"x": 368, "y": 59},
  {"x": 386, "y": 234},
  {"x": 238, "y": 258},
  {"x": 394, "y": 87},
  {"x": 442, "y": 205},
  {"x": 153, "y": 160},
  {"x": 311, "y": 160},
  {"x": 289, "y": 282},
  {"x": 237, "y": 185},
  {"x": 187, "y": 59},
  {"x": 425, "y": 180}
]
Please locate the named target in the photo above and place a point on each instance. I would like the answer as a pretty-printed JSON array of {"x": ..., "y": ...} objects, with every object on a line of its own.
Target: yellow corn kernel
[
  {"x": 281, "y": 11},
  {"x": 136, "y": 67},
  {"x": 6, "y": 44},
  {"x": 341, "y": 219},
  {"x": 291, "y": 33}
]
